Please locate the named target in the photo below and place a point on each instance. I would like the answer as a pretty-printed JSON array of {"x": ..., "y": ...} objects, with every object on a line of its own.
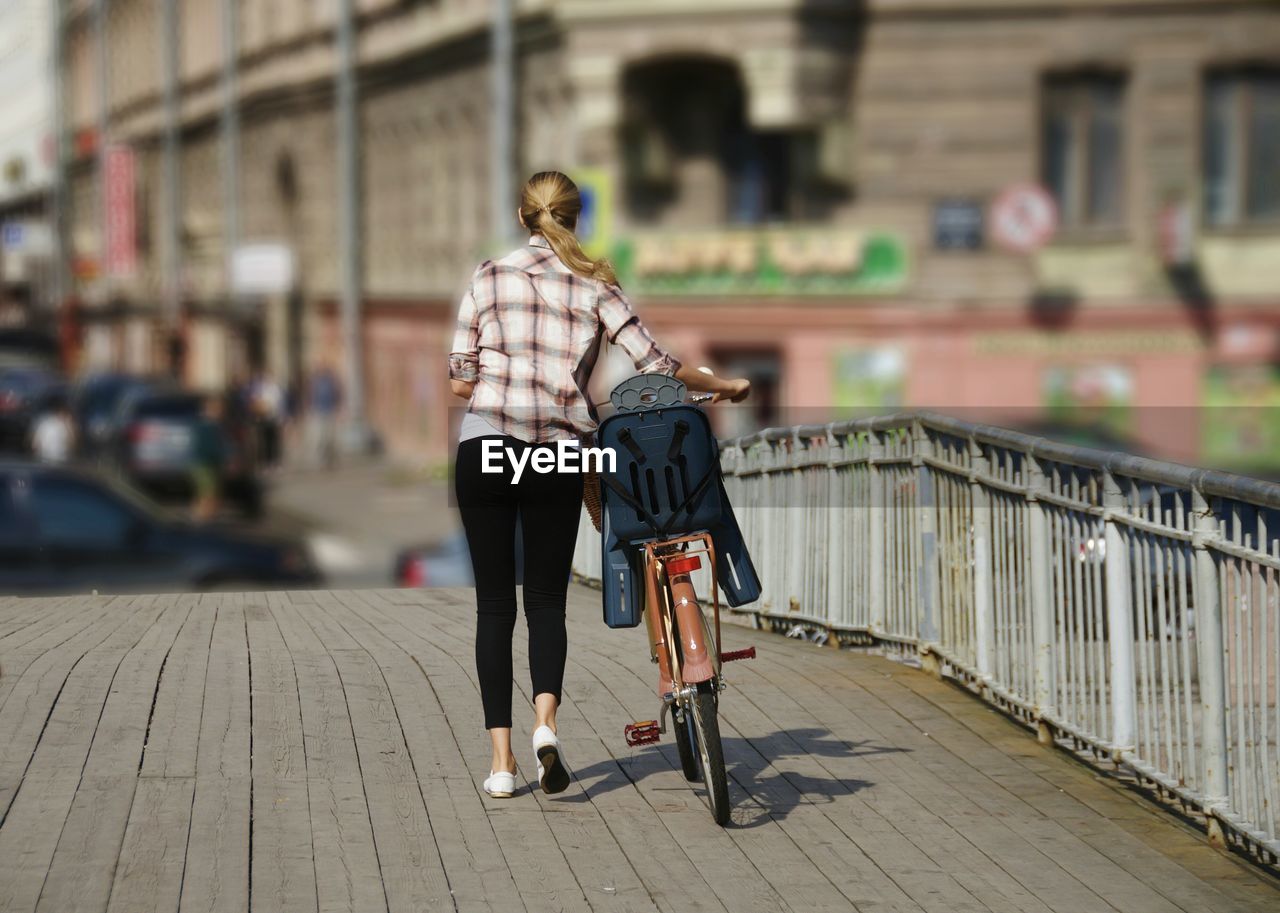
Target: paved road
[
  {"x": 357, "y": 518},
  {"x": 321, "y": 751}
]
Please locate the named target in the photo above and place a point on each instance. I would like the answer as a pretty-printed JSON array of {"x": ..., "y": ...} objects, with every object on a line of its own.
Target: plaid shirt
[{"x": 529, "y": 332}]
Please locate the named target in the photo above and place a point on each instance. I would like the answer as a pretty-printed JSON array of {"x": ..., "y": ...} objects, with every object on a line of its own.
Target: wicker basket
[{"x": 591, "y": 496}]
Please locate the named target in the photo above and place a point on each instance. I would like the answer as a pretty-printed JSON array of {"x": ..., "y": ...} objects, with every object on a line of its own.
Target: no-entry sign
[{"x": 1023, "y": 218}]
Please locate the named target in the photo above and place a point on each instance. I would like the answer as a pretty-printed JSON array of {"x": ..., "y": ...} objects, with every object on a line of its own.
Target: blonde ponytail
[{"x": 549, "y": 206}]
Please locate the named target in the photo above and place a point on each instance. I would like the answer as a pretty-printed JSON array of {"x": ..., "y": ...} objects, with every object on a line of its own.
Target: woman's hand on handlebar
[
  {"x": 701, "y": 380},
  {"x": 740, "y": 389}
]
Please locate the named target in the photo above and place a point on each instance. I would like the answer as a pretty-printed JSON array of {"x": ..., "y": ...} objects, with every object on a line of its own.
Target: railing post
[
  {"x": 876, "y": 524},
  {"x": 837, "y": 553},
  {"x": 984, "y": 627},
  {"x": 1211, "y": 663},
  {"x": 1042, "y": 632},
  {"x": 926, "y": 507},
  {"x": 1124, "y": 699}
]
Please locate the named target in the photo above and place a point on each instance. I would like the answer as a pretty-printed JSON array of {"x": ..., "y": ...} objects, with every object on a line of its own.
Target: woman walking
[{"x": 529, "y": 330}]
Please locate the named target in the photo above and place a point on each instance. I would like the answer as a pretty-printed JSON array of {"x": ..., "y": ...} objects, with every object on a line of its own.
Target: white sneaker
[
  {"x": 553, "y": 775},
  {"x": 500, "y": 785}
]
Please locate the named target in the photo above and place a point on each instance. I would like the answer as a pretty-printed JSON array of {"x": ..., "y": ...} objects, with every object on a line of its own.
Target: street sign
[
  {"x": 774, "y": 261},
  {"x": 957, "y": 225},
  {"x": 1023, "y": 218},
  {"x": 12, "y": 235},
  {"x": 122, "y": 228},
  {"x": 29, "y": 237},
  {"x": 595, "y": 221},
  {"x": 264, "y": 268}
]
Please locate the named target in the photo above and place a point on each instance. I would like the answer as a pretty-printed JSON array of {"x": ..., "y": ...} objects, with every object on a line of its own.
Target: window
[
  {"x": 1082, "y": 161},
  {"x": 71, "y": 514},
  {"x": 761, "y": 366},
  {"x": 1242, "y": 147}
]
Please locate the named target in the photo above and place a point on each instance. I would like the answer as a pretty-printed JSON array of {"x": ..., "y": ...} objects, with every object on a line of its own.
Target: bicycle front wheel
[
  {"x": 706, "y": 727},
  {"x": 686, "y": 742}
]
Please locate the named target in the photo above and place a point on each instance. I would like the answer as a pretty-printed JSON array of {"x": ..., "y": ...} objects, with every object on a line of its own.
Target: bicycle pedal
[
  {"x": 735, "y": 655},
  {"x": 642, "y": 733}
]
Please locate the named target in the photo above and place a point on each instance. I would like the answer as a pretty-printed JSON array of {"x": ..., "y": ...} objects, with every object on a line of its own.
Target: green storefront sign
[{"x": 818, "y": 261}]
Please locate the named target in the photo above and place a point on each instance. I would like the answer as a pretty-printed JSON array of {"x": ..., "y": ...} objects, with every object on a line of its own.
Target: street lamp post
[
  {"x": 503, "y": 123},
  {"x": 357, "y": 437},
  {"x": 230, "y": 138},
  {"x": 58, "y": 197},
  {"x": 172, "y": 267}
]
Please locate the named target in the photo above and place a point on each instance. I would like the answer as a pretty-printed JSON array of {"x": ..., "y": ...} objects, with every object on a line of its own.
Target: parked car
[
  {"x": 24, "y": 347},
  {"x": 24, "y": 394},
  {"x": 71, "y": 530},
  {"x": 153, "y": 445},
  {"x": 446, "y": 563},
  {"x": 94, "y": 401}
]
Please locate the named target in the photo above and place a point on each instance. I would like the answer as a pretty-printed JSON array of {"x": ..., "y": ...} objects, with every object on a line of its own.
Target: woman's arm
[
  {"x": 464, "y": 355},
  {"x": 626, "y": 330},
  {"x": 735, "y": 390}
]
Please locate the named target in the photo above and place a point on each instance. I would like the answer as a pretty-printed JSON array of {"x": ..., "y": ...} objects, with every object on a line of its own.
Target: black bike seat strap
[
  {"x": 677, "y": 439},
  {"x": 625, "y": 438}
]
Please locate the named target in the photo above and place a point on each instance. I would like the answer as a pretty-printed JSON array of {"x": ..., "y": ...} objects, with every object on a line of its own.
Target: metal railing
[{"x": 1122, "y": 605}]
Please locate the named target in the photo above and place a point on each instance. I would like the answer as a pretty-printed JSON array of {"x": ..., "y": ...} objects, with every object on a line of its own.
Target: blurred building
[
  {"x": 1020, "y": 206},
  {"x": 25, "y": 159}
]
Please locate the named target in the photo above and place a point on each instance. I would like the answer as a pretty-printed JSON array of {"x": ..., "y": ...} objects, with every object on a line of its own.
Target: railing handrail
[{"x": 1210, "y": 481}]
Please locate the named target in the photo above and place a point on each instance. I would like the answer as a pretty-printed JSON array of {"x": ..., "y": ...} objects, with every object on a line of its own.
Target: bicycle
[{"x": 685, "y": 646}]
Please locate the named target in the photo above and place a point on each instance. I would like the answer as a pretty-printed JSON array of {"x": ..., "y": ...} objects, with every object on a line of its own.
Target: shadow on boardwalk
[{"x": 775, "y": 793}]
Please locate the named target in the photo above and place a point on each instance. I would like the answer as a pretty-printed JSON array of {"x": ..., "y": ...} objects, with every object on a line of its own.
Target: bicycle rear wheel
[{"x": 706, "y": 727}]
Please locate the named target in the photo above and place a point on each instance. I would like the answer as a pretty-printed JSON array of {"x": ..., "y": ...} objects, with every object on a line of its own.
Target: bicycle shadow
[{"x": 759, "y": 790}]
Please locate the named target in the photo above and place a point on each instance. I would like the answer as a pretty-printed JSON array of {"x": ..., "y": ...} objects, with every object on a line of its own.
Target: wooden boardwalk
[{"x": 322, "y": 751}]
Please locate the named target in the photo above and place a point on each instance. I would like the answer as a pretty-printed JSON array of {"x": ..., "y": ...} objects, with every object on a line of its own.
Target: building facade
[
  {"x": 985, "y": 205},
  {"x": 25, "y": 159}
]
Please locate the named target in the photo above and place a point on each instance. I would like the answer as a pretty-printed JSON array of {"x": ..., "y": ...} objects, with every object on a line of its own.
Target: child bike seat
[{"x": 666, "y": 483}]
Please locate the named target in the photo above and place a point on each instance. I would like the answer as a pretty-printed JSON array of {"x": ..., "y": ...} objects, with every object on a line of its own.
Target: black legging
[{"x": 548, "y": 505}]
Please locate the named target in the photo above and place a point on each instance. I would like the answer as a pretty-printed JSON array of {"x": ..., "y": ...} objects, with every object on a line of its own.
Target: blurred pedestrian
[
  {"x": 53, "y": 438},
  {"x": 324, "y": 401},
  {"x": 210, "y": 454},
  {"x": 267, "y": 406}
]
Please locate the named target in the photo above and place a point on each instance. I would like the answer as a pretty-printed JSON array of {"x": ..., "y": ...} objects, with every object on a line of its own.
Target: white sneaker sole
[{"x": 555, "y": 778}]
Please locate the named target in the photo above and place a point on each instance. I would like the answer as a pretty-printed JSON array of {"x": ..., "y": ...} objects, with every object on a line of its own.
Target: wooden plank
[
  {"x": 477, "y": 869},
  {"x": 148, "y": 874},
  {"x": 80, "y": 873},
  {"x": 412, "y": 870},
  {"x": 217, "y": 854},
  {"x": 217, "y": 874},
  {"x": 536, "y": 864},
  {"x": 174, "y": 737},
  {"x": 348, "y": 876},
  {"x": 54, "y": 739},
  {"x": 284, "y": 876}
]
